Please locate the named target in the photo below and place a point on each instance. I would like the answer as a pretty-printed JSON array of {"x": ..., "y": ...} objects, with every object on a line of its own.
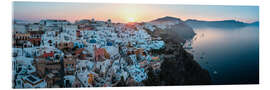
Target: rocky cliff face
[
  {"x": 181, "y": 31},
  {"x": 178, "y": 66},
  {"x": 174, "y": 27},
  {"x": 181, "y": 69}
]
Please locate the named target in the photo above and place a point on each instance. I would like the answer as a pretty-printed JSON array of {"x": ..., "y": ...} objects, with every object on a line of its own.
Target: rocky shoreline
[{"x": 178, "y": 66}]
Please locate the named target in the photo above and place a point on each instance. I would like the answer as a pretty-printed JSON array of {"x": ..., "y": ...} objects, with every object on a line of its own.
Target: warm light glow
[
  {"x": 125, "y": 13},
  {"x": 131, "y": 19}
]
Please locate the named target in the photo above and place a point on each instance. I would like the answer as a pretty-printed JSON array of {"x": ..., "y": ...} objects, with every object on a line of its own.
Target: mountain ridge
[
  {"x": 231, "y": 24},
  {"x": 167, "y": 18}
]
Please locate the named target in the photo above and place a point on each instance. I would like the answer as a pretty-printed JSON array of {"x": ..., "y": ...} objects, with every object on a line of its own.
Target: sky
[{"x": 123, "y": 13}]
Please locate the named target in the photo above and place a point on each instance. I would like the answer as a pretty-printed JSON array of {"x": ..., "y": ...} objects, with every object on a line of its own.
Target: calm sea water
[{"x": 230, "y": 55}]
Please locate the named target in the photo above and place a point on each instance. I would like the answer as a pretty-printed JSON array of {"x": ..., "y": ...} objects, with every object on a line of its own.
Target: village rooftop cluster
[{"x": 86, "y": 53}]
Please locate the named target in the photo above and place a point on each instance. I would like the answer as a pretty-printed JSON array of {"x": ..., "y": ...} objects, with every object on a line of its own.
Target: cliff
[
  {"x": 175, "y": 28},
  {"x": 178, "y": 66}
]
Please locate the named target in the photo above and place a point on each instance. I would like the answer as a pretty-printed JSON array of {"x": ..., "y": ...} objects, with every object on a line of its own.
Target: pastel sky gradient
[{"x": 35, "y": 11}]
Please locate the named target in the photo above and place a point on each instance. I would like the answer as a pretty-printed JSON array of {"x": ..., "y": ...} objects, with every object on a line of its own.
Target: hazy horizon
[{"x": 35, "y": 11}]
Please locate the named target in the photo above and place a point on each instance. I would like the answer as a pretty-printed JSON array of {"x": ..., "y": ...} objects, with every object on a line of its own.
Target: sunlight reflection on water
[{"x": 230, "y": 56}]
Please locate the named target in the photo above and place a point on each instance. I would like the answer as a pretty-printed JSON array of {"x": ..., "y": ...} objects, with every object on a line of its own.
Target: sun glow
[{"x": 131, "y": 19}]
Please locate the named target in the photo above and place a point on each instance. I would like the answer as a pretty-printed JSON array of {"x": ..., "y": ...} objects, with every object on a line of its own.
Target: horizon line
[{"x": 37, "y": 21}]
